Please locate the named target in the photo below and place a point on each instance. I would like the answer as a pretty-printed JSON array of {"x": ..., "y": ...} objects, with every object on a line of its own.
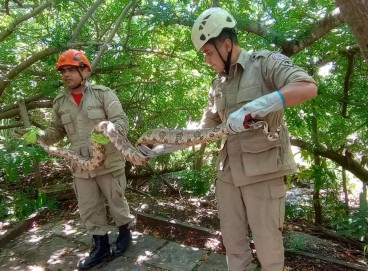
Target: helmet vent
[
  {"x": 210, "y": 24},
  {"x": 81, "y": 63}
]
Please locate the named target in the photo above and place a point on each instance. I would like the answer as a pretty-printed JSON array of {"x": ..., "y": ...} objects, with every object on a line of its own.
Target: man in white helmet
[{"x": 251, "y": 167}]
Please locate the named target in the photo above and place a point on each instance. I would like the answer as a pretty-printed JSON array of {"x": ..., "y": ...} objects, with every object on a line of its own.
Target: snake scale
[{"x": 155, "y": 136}]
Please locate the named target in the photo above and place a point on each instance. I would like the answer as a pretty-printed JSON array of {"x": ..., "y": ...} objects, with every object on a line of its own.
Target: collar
[
  {"x": 242, "y": 58},
  {"x": 86, "y": 86},
  {"x": 240, "y": 62}
]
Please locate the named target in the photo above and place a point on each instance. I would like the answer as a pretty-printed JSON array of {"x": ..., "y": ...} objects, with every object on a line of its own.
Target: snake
[{"x": 166, "y": 136}]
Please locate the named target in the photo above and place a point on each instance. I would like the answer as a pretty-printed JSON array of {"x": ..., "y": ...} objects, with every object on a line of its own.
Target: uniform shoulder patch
[
  {"x": 278, "y": 56},
  {"x": 285, "y": 61}
]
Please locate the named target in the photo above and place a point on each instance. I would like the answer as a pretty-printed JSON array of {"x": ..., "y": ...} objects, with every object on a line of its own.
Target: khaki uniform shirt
[
  {"x": 248, "y": 157},
  {"x": 77, "y": 121}
]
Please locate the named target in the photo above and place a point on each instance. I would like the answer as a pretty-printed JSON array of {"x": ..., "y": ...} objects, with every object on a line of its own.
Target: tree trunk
[
  {"x": 317, "y": 207},
  {"x": 363, "y": 207},
  {"x": 345, "y": 190},
  {"x": 27, "y": 123},
  {"x": 198, "y": 161},
  {"x": 355, "y": 14},
  {"x": 317, "y": 180}
]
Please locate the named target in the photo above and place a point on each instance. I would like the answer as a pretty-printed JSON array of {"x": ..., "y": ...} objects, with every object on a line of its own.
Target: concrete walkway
[{"x": 60, "y": 245}]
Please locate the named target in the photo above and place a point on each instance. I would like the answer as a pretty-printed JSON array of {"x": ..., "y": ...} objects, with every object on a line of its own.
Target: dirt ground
[{"x": 319, "y": 252}]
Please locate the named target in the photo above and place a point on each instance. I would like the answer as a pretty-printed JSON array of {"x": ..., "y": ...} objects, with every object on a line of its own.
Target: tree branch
[
  {"x": 84, "y": 19},
  {"x": 8, "y": 31},
  {"x": 355, "y": 14},
  {"x": 15, "y": 112},
  {"x": 347, "y": 162},
  {"x": 5, "y": 80},
  {"x": 348, "y": 75},
  {"x": 320, "y": 29},
  {"x": 112, "y": 34}
]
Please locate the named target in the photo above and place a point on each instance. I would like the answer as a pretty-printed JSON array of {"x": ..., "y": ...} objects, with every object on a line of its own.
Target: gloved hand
[
  {"x": 99, "y": 138},
  {"x": 159, "y": 149},
  {"x": 238, "y": 121},
  {"x": 30, "y": 135}
]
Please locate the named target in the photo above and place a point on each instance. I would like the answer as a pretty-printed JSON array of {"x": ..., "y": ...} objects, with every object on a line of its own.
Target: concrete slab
[
  {"x": 214, "y": 262},
  {"x": 177, "y": 257},
  {"x": 123, "y": 264},
  {"x": 143, "y": 246},
  {"x": 53, "y": 253},
  {"x": 59, "y": 246},
  {"x": 17, "y": 264}
]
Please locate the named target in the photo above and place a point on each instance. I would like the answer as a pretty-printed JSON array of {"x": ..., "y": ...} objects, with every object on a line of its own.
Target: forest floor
[{"x": 308, "y": 247}]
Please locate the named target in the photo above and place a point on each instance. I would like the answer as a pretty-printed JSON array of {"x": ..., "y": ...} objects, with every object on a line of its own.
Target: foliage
[
  {"x": 196, "y": 182},
  {"x": 3, "y": 208},
  {"x": 356, "y": 224},
  {"x": 296, "y": 241},
  {"x": 16, "y": 157},
  {"x": 295, "y": 212},
  {"x": 23, "y": 203}
]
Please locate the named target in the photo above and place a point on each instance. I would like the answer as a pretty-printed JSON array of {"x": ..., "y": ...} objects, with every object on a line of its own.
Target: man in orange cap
[{"x": 76, "y": 111}]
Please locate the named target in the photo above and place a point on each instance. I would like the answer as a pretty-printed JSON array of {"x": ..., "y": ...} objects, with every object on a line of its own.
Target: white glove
[
  {"x": 238, "y": 121},
  {"x": 159, "y": 149}
]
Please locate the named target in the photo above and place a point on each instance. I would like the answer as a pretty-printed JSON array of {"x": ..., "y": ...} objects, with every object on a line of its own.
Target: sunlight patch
[
  {"x": 143, "y": 258},
  {"x": 35, "y": 268},
  {"x": 35, "y": 239}
]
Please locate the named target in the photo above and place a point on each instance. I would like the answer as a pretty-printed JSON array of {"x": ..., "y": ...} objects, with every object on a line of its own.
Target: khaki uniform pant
[
  {"x": 262, "y": 207},
  {"x": 91, "y": 193}
]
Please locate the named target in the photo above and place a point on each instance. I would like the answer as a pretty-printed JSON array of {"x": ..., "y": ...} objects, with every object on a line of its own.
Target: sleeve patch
[
  {"x": 112, "y": 103},
  {"x": 278, "y": 56},
  {"x": 287, "y": 63}
]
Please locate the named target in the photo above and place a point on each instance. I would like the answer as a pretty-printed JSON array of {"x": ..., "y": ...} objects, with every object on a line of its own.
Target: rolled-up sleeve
[
  {"x": 280, "y": 70},
  {"x": 56, "y": 131}
]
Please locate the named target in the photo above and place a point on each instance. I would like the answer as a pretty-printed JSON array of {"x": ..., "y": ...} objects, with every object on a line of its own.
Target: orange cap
[{"x": 73, "y": 57}]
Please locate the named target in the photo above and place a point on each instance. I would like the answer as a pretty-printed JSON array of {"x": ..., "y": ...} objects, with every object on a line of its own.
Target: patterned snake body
[
  {"x": 183, "y": 137},
  {"x": 155, "y": 136}
]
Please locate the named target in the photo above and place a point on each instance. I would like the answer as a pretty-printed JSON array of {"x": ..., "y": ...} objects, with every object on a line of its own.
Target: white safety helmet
[{"x": 210, "y": 24}]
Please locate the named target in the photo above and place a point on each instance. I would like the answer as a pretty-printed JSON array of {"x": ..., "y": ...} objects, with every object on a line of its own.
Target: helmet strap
[
  {"x": 82, "y": 82},
  {"x": 228, "y": 60}
]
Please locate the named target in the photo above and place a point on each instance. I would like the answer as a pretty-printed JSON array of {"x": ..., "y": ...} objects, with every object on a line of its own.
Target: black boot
[
  {"x": 99, "y": 254},
  {"x": 122, "y": 242}
]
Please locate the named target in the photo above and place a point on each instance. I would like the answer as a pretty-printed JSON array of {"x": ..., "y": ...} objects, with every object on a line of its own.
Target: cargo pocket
[
  {"x": 277, "y": 193},
  {"x": 249, "y": 93},
  {"x": 260, "y": 156},
  {"x": 113, "y": 157},
  {"x": 116, "y": 191},
  {"x": 66, "y": 120},
  {"x": 118, "y": 185},
  {"x": 277, "y": 190},
  {"x": 96, "y": 116}
]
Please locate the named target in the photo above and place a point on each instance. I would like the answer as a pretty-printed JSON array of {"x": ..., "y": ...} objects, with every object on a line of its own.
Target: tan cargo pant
[
  {"x": 262, "y": 207},
  {"x": 91, "y": 193}
]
